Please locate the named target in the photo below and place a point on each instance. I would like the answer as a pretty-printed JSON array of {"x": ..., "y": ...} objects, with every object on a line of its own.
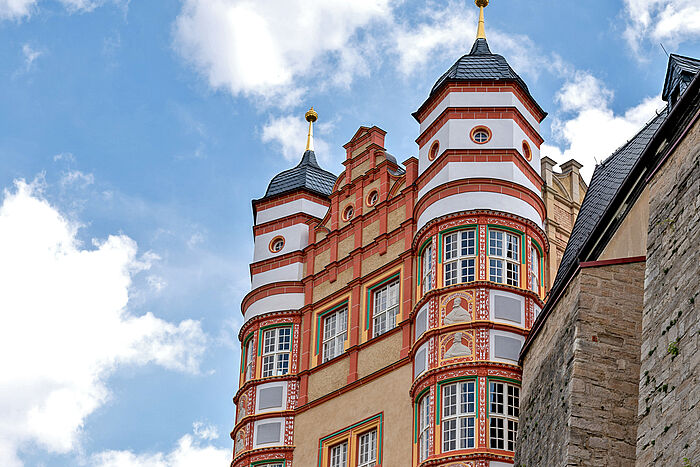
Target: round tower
[
  {"x": 480, "y": 250},
  {"x": 267, "y": 397}
]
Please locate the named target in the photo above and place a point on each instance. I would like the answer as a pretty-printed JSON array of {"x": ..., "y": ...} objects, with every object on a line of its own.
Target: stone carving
[
  {"x": 242, "y": 407},
  {"x": 458, "y": 349},
  {"x": 240, "y": 440},
  {"x": 458, "y": 313}
]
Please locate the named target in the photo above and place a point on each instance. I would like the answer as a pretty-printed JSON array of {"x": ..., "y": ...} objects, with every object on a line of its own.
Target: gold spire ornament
[
  {"x": 311, "y": 116},
  {"x": 481, "y": 31}
]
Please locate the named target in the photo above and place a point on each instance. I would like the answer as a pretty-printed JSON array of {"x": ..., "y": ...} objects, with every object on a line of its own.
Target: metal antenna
[{"x": 662, "y": 46}]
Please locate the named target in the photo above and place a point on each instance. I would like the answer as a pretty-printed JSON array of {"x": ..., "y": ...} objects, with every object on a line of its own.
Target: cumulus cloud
[
  {"x": 288, "y": 134},
  {"x": 16, "y": 9},
  {"x": 588, "y": 128},
  {"x": 269, "y": 49},
  {"x": 190, "y": 451},
  {"x": 673, "y": 21},
  {"x": 65, "y": 326}
]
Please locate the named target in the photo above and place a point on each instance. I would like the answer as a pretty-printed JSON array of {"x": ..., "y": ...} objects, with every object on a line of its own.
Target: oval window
[
  {"x": 277, "y": 244},
  {"x": 526, "y": 151},
  {"x": 481, "y": 135},
  {"x": 348, "y": 213},
  {"x": 433, "y": 151},
  {"x": 372, "y": 198}
]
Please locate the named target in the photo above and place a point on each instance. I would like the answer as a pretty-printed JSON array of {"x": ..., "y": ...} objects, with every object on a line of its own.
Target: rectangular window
[
  {"x": 427, "y": 264},
  {"x": 249, "y": 357},
  {"x": 335, "y": 330},
  {"x": 504, "y": 409},
  {"x": 386, "y": 308},
  {"x": 424, "y": 427},
  {"x": 504, "y": 263},
  {"x": 534, "y": 270},
  {"x": 368, "y": 449},
  {"x": 460, "y": 257},
  {"x": 339, "y": 455},
  {"x": 277, "y": 345},
  {"x": 458, "y": 416}
]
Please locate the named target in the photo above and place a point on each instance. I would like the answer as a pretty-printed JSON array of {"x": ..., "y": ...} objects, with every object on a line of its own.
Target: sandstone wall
[{"x": 669, "y": 390}]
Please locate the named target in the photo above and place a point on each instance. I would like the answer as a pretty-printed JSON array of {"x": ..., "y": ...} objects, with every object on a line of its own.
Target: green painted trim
[
  {"x": 270, "y": 326},
  {"x": 369, "y": 292},
  {"x": 452, "y": 229},
  {"x": 270, "y": 461},
  {"x": 245, "y": 349},
  {"x": 318, "y": 322},
  {"x": 438, "y": 397},
  {"x": 416, "y": 401},
  {"x": 380, "y": 439},
  {"x": 541, "y": 265},
  {"x": 420, "y": 258}
]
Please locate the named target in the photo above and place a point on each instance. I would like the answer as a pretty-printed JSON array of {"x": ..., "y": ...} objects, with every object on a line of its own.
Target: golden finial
[
  {"x": 481, "y": 31},
  {"x": 311, "y": 116}
]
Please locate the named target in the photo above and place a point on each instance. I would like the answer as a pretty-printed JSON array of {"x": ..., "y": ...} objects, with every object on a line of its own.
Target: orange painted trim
[
  {"x": 480, "y": 128},
  {"x": 434, "y": 148},
  {"x": 527, "y": 152},
  {"x": 271, "y": 245}
]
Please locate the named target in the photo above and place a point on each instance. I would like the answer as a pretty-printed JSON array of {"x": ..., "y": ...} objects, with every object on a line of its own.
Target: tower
[{"x": 389, "y": 304}]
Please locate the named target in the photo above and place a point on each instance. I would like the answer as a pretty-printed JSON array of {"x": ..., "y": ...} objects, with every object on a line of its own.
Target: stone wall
[
  {"x": 580, "y": 377},
  {"x": 669, "y": 390}
]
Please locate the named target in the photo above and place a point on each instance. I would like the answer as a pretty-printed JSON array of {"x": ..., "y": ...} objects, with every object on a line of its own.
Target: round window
[
  {"x": 277, "y": 244},
  {"x": 348, "y": 213},
  {"x": 434, "y": 151},
  {"x": 481, "y": 135},
  {"x": 372, "y": 198},
  {"x": 526, "y": 151}
]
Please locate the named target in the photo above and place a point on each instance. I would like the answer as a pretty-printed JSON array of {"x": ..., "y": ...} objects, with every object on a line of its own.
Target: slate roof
[
  {"x": 307, "y": 175},
  {"x": 605, "y": 183},
  {"x": 679, "y": 68},
  {"x": 482, "y": 65}
]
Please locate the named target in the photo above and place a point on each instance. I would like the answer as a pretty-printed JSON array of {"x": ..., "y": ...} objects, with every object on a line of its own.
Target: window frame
[
  {"x": 501, "y": 261},
  {"x": 534, "y": 269},
  {"x": 276, "y": 354},
  {"x": 427, "y": 268},
  {"x": 503, "y": 420},
  {"x": 387, "y": 287},
  {"x": 343, "y": 454},
  {"x": 340, "y": 314},
  {"x": 424, "y": 421},
  {"x": 459, "y": 265},
  {"x": 249, "y": 359},
  {"x": 371, "y": 460},
  {"x": 351, "y": 436},
  {"x": 479, "y": 129},
  {"x": 461, "y": 418}
]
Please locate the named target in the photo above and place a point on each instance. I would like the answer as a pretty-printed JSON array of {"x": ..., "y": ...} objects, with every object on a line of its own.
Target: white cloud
[
  {"x": 16, "y": 9},
  {"x": 674, "y": 21},
  {"x": 20, "y": 9},
  {"x": 77, "y": 178},
  {"x": 189, "y": 452},
  {"x": 30, "y": 55},
  {"x": 270, "y": 49},
  {"x": 288, "y": 133},
  {"x": 65, "y": 327},
  {"x": 593, "y": 131}
]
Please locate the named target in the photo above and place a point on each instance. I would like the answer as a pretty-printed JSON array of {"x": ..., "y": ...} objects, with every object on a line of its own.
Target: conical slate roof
[
  {"x": 306, "y": 175},
  {"x": 481, "y": 65}
]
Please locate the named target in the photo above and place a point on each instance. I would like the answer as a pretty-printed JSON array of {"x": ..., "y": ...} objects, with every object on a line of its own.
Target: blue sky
[{"x": 133, "y": 135}]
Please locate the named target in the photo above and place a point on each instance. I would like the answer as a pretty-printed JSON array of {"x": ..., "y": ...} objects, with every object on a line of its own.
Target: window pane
[
  {"x": 468, "y": 270},
  {"x": 368, "y": 449},
  {"x": 284, "y": 339},
  {"x": 512, "y": 273},
  {"x": 495, "y": 243},
  {"x": 449, "y": 400},
  {"x": 449, "y": 435},
  {"x": 496, "y": 432},
  {"x": 512, "y": 250},
  {"x": 496, "y": 398},
  {"x": 513, "y": 401},
  {"x": 450, "y": 246},
  {"x": 496, "y": 270}
]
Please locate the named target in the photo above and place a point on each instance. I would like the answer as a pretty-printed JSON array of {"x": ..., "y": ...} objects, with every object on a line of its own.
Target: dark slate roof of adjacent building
[
  {"x": 306, "y": 175},
  {"x": 605, "y": 183},
  {"x": 481, "y": 65},
  {"x": 679, "y": 69}
]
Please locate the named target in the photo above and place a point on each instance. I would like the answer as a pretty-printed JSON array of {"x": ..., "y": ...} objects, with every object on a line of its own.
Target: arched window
[
  {"x": 480, "y": 135},
  {"x": 276, "y": 244},
  {"x": 349, "y": 213},
  {"x": 372, "y": 198},
  {"x": 424, "y": 427}
]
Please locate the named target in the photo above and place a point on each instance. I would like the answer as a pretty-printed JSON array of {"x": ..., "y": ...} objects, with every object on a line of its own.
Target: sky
[{"x": 134, "y": 134}]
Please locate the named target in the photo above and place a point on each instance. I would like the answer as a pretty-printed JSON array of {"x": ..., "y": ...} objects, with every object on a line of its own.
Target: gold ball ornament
[{"x": 311, "y": 115}]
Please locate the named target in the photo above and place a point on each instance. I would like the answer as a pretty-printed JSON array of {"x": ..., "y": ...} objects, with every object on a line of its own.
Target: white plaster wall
[
  {"x": 290, "y": 272},
  {"x": 480, "y": 99},
  {"x": 463, "y": 170},
  {"x": 454, "y": 134},
  {"x": 492, "y": 344},
  {"x": 278, "y": 302},
  {"x": 288, "y": 209},
  {"x": 296, "y": 237},
  {"x": 479, "y": 200}
]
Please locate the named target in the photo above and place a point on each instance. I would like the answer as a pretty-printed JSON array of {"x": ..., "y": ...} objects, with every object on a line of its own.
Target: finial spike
[
  {"x": 481, "y": 30},
  {"x": 311, "y": 116}
]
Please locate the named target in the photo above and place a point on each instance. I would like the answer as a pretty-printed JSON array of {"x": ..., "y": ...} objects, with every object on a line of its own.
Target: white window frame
[
  {"x": 459, "y": 256},
  {"x": 504, "y": 410},
  {"x": 386, "y": 307},
  {"x": 338, "y": 455},
  {"x": 277, "y": 349},
  {"x": 478, "y": 139},
  {"x": 504, "y": 257},
  {"x": 424, "y": 428},
  {"x": 459, "y": 415},
  {"x": 427, "y": 265},
  {"x": 534, "y": 269},
  {"x": 335, "y": 332},
  {"x": 367, "y": 449},
  {"x": 249, "y": 359}
]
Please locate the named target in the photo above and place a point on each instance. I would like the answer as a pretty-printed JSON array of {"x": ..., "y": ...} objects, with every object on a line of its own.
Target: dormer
[{"x": 680, "y": 72}]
